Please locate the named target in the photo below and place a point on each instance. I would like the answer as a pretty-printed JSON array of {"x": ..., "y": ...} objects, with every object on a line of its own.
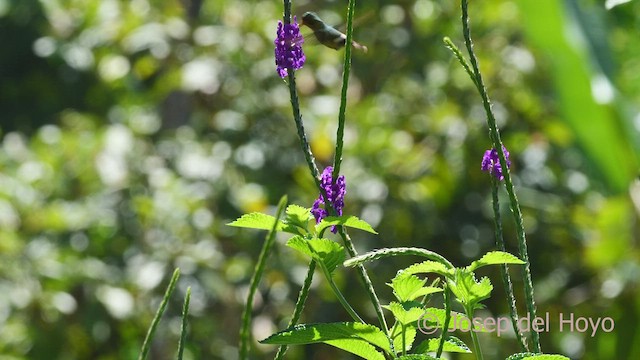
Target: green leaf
[
  {"x": 434, "y": 318},
  {"x": 468, "y": 290},
  {"x": 451, "y": 344},
  {"x": 298, "y": 216},
  {"x": 610, "y": 4},
  {"x": 569, "y": 65},
  {"x": 409, "y": 334},
  {"x": 401, "y": 251},
  {"x": 316, "y": 333},
  {"x": 328, "y": 252},
  {"x": 427, "y": 267},
  {"x": 410, "y": 287},
  {"x": 407, "y": 312},
  {"x": 417, "y": 357},
  {"x": 357, "y": 347},
  {"x": 532, "y": 356},
  {"x": 346, "y": 220},
  {"x": 495, "y": 258},
  {"x": 256, "y": 220}
]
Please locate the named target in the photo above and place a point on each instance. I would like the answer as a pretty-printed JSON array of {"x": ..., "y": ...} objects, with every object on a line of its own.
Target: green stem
[
  {"x": 146, "y": 344},
  {"x": 390, "y": 252},
  {"x": 364, "y": 277},
  {"x": 183, "y": 328},
  {"x": 447, "y": 320},
  {"x": 504, "y": 269},
  {"x": 337, "y": 161},
  {"x": 302, "y": 298},
  {"x": 474, "y": 335},
  {"x": 497, "y": 144},
  {"x": 339, "y": 295},
  {"x": 255, "y": 281},
  {"x": 313, "y": 168},
  {"x": 404, "y": 340}
]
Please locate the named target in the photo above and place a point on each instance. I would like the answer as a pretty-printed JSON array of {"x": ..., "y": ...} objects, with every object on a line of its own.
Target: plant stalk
[
  {"x": 302, "y": 298},
  {"x": 497, "y": 144},
  {"x": 504, "y": 269}
]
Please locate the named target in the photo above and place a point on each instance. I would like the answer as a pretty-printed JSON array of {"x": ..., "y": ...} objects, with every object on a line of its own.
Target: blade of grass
[{"x": 146, "y": 345}]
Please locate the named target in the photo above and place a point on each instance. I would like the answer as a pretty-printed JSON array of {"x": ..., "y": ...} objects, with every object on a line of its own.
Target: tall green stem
[
  {"x": 255, "y": 281},
  {"x": 447, "y": 319},
  {"x": 497, "y": 144},
  {"x": 146, "y": 344},
  {"x": 313, "y": 168},
  {"x": 339, "y": 295},
  {"x": 474, "y": 336},
  {"x": 337, "y": 161},
  {"x": 302, "y": 298},
  {"x": 504, "y": 269},
  {"x": 183, "y": 327},
  {"x": 362, "y": 273}
]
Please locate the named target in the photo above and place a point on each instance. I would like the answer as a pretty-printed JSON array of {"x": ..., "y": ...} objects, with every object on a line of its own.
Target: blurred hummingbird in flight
[{"x": 327, "y": 35}]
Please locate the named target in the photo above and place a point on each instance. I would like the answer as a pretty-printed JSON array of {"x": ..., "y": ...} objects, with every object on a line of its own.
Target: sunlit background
[{"x": 133, "y": 131}]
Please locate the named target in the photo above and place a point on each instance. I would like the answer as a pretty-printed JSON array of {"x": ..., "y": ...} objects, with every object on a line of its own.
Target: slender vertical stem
[
  {"x": 185, "y": 319},
  {"x": 302, "y": 298},
  {"x": 447, "y": 320},
  {"x": 345, "y": 85},
  {"x": 146, "y": 344},
  {"x": 474, "y": 336},
  {"x": 497, "y": 143},
  {"x": 362, "y": 272},
  {"x": 339, "y": 295},
  {"x": 404, "y": 340},
  {"x": 297, "y": 117},
  {"x": 313, "y": 168},
  {"x": 255, "y": 281},
  {"x": 504, "y": 269}
]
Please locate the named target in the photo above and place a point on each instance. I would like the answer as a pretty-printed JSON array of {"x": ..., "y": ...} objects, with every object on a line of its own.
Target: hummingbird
[{"x": 327, "y": 35}]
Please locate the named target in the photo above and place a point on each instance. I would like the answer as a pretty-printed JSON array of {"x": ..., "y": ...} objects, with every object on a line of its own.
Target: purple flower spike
[
  {"x": 335, "y": 194},
  {"x": 491, "y": 162},
  {"x": 288, "y": 51}
]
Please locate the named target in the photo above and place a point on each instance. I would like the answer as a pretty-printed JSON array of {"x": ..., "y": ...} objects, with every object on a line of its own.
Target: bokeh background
[{"x": 133, "y": 131}]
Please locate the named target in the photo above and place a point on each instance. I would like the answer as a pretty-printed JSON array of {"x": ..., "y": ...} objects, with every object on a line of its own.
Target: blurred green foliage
[{"x": 132, "y": 131}]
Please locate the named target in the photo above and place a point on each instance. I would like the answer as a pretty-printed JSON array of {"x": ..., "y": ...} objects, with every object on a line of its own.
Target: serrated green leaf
[
  {"x": 410, "y": 287},
  {"x": 401, "y": 251},
  {"x": 328, "y": 252},
  {"x": 406, "y": 313},
  {"x": 468, "y": 290},
  {"x": 298, "y": 216},
  {"x": 357, "y": 347},
  {"x": 316, "y": 333},
  {"x": 435, "y": 318},
  {"x": 256, "y": 220},
  {"x": 495, "y": 258},
  {"x": 409, "y": 334},
  {"x": 346, "y": 220},
  {"x": 532, "y": 356},
  {"x": 427, "y": 267},
  {"x": 417, "y": 357},
  {"x": 451, "y": 344}
]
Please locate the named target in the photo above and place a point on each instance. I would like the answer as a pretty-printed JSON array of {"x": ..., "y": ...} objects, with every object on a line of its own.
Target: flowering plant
[{"x": 413, "y": 294}]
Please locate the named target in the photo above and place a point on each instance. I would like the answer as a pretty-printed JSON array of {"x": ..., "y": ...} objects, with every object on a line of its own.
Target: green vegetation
[{"x": 133, "y": 131}]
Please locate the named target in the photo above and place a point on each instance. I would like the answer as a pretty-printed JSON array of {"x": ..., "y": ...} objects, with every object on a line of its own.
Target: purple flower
[
  {"x": 288, "y": 51},
  {"x": 491, "y": 162},
  {"x": 335, "y": 194}
]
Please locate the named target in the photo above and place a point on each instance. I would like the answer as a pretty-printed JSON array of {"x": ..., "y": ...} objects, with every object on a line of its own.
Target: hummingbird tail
[{"x": 360, "y": 47}]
